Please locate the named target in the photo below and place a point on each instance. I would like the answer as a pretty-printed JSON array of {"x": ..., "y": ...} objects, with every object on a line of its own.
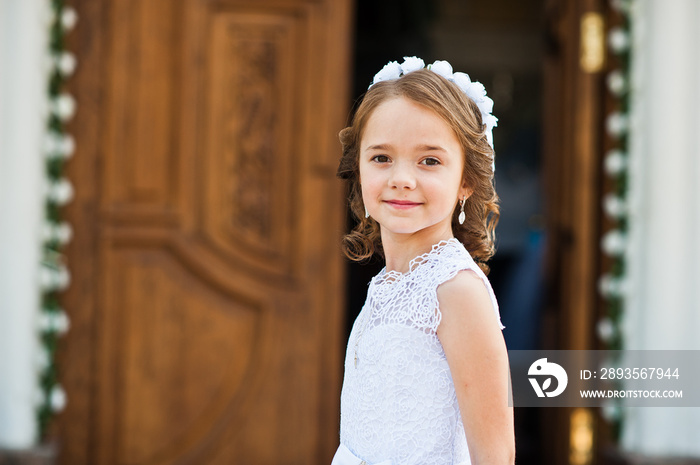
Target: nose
[{"x": 402, "y": 176}]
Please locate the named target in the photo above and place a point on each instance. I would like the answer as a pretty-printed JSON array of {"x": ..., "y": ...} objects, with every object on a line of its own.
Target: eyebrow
[
  {"x": 378, "y": 147},
  {"x": 420, "y": 148}
]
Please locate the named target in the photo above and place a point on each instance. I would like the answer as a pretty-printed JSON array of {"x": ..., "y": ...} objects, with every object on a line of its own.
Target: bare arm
[{"x": 476, "y": 354}]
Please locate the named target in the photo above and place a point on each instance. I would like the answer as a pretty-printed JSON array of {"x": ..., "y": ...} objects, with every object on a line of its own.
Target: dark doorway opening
[{"x": 500, "y": 44}]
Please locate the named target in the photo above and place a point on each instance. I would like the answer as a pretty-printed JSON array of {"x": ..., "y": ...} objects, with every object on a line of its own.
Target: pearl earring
[
  {"x": 462, "y": 215},
  {"x": 366, "y": 213}
]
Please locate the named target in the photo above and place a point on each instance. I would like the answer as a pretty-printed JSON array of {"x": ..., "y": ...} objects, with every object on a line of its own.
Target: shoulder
[
  {"x": 444, "y": 262},
  {"x": 466, "y": 281},
  {"x": 465, "y": 302}
]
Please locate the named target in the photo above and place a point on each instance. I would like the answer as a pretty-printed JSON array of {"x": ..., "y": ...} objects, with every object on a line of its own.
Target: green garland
[
  {"x": 613, "y": 284},
  {"x": 54, "y": 277}
]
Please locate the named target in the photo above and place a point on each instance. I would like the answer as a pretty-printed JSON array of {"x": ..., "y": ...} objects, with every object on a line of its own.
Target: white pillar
[
  {"x": 663, "y": 306},
  {"x": 23, "y": 82}
]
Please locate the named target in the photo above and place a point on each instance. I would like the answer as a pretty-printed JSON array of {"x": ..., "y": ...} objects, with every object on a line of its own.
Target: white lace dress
[{"x": 398, "y": 403}]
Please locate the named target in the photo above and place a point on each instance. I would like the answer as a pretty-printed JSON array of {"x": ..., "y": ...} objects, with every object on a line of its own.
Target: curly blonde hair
[{"x": 464, "y": 117}]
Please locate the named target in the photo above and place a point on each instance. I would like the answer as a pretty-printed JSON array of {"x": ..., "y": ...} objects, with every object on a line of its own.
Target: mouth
[{"x": 402, "y": 204}]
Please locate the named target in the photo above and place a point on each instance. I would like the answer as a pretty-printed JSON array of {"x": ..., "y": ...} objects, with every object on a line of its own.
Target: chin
[{"x": 405, "y": 228}]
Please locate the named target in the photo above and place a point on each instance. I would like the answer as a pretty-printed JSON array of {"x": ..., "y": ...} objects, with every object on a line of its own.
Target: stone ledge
[{"x": 39, "y": 455}]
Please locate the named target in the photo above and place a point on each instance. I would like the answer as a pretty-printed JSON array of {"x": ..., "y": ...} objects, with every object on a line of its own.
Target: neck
[{"x": 400, "y": 249}]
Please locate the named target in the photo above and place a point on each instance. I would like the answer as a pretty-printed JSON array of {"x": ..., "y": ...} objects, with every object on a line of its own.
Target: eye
[
  {"x": 430, "y": 161},
  {"x": 380, "y": 158}
]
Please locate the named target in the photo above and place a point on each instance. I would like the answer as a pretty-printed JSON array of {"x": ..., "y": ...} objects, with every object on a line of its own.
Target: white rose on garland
[
  {"x": 65, "y": 63},
  {"x": 462, "y": 80},
  {"x": 54, "y": 277},
  {"x": 617, "y": 83},
  {"x": 60, "y": 192},
  {"x": 614, "y": 206},
  {"x": 441, "y": 67},
  {"x": 391, "y": 70},
  {"x": 63, "y": 107},
  {"x": 614, "y": 243},
  {"x": 57, "y": 398},
  {"x": 616, "y": 124},
  {"x": 611, "y": 287},
  {"x": 54, "y": 321},
  {"x": 618, "y": 40},
  {"x": 615, "y": 162},
  {"x": 411, "y": 64},
  {"x": 605, "y": 329},
  {"x": 59, "y": 145},
  {"x": 69, "y": 18}
]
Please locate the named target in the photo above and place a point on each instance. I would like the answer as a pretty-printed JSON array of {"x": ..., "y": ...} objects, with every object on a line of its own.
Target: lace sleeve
[{"x": 453, "y": 263}]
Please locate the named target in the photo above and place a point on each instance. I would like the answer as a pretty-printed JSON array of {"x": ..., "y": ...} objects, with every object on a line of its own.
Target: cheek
[
  {"x": 368, "y": 180},
  {"x": 444, "y": 193}
]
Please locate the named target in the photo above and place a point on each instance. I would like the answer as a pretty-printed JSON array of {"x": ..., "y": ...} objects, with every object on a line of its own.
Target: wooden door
[{"x": 207, "y": 300}]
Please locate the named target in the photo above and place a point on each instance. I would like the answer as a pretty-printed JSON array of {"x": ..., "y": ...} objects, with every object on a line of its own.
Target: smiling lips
[{"x": 402, "y": 204}]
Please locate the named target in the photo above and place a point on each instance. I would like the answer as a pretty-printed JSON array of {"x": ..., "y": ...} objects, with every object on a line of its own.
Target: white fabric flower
[
  {"x": 58, "y": 398},
  {"x": 60, "y": 192},
  {"x": 609, "y": 286},
  {"x": 616, "y": 83},
  {"x": 615, "y": 162},
  {"x": 614, "y": 206},
  {"x": 59, "y": 232},
  {"x": 63, "y": 106},
  {"x": 490, "y": 121},
  {"x": 616, "y": 124},
  {"x": 63, "y": 233},
  {"x": 614, "y": 243},
  {"x": 476, "y": 91},
  {"x": 59, "y": 145},
  {"x": 486, "y": 105},
  {"x": 62, "y": 278},
  {"x": 443, "y": 68},
  {"x": 54, "y": 277},
  {"x": 411, "y": 64},
  {"x": 57, "y": 321},
  {"x": 605, "y": 329},
  {"x": 65, "y": 63},
  {"x": 462, "y": 80},
  {"x": 66, "y": 146},
  {"x": 618, "y": 40},
  {"x": 69, "y": 18},
  {"x": 391, "y": 70}
]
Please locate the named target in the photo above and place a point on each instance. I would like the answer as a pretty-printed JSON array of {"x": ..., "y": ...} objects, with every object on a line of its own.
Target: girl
[{"x": 426, "y": 370}]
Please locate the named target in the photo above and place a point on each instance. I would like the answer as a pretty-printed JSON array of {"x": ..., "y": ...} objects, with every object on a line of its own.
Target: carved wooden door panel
[{"x": 207, "y": 278}]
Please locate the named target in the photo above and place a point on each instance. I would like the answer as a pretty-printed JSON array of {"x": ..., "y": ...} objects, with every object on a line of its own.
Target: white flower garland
[
  {"x": 54, "y": 276},
  {"x": 473, "y": 89},
  {"x": 612, "y": 285}
]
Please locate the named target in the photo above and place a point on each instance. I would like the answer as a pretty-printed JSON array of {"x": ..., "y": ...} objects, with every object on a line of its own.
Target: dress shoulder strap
[{"x": 444, "y": 261}]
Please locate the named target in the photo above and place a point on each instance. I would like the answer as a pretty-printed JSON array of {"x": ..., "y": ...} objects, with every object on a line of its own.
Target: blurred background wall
[{"x": 23, "y": 109}]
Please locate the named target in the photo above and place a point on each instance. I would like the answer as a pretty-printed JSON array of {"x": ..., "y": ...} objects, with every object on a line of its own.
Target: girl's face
[{"x": 410, "y": 169}]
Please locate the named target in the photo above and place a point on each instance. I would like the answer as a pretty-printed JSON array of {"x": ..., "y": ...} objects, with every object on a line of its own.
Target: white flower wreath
[{"x": 473, "y": 89}]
